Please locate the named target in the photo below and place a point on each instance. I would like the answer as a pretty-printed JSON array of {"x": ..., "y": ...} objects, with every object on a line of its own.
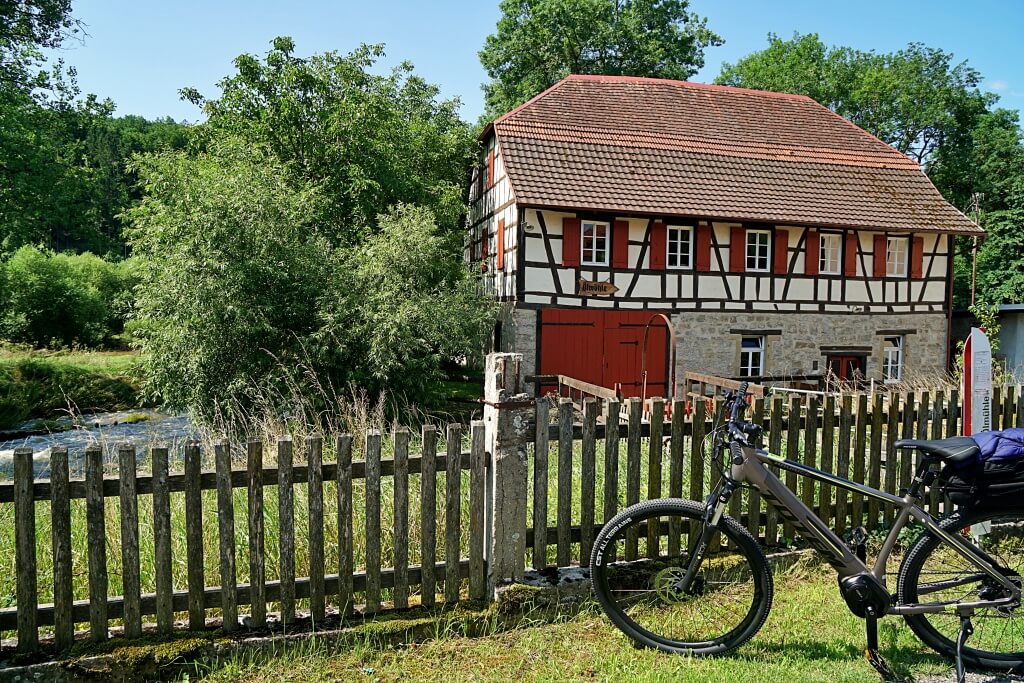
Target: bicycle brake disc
[{"x": 666, "y": 585}]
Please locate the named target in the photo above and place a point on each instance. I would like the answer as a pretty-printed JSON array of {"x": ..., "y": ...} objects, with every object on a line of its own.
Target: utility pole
[{"x": 976, "y": 210}]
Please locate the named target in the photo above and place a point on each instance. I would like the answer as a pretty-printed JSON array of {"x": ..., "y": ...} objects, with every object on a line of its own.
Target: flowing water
[{"x": 104, "y": 429}]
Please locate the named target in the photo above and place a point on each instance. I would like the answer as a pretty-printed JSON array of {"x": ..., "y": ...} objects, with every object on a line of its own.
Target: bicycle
[{"x": 684, "y": 577}]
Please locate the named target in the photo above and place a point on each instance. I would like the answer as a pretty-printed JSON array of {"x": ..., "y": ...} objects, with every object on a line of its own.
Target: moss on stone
[
  {"x": 517, "y": 599},
  {"x": 119, "y": 655}
]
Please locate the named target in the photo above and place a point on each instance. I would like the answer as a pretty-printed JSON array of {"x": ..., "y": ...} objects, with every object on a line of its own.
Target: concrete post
[{"x": 508, "y": 421}]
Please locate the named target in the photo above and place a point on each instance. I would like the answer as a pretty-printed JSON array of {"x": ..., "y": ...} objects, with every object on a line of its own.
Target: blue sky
[{"x": 139, "y": 52}]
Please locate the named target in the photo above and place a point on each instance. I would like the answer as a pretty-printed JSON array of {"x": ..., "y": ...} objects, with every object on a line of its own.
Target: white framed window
[
  {"x": 830, "y": 253},
  {"x": 758, "y": 249},
  {"x": 680, "y": 246},
  {"x": 752, "y": 357},
  {"x": 594, "y": 244},
  {"x": 892, "y": 359},
  {"x": 896, "y": 249}
]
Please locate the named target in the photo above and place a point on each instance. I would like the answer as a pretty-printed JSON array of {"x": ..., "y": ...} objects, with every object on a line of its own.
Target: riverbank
[{"x": 44, "y": 385}]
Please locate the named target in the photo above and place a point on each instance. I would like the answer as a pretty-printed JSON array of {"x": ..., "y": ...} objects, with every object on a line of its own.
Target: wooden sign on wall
[{"x": 590, "y": 288}]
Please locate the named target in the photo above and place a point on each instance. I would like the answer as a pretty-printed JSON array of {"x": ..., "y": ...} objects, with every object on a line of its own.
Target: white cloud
[{"x": 998, "y": 85}]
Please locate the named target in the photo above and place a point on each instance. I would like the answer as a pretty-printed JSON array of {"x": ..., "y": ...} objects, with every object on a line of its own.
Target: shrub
[
  {"x": 241, "y": 293},
  {"x": 60, "y": 300}
]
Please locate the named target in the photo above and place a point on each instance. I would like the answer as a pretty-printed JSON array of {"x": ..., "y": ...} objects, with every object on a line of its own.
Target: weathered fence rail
[
  {"x": 200, "y": 591},
  {"x": 851, "y": 435},
  {"x": 533, "y": 488}
]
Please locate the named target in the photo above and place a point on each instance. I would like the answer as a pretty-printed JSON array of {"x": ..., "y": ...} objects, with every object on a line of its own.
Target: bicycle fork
[{"x": 714, "y": 508}]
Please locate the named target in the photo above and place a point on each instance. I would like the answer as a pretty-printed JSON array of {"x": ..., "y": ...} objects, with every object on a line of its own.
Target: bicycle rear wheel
[
  {"x": 643, "y": 552},
  {"x": 933, "y": 572}
]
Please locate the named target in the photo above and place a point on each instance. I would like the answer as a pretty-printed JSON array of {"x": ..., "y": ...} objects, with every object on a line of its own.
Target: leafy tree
[
  {"x": 63, "y": 180},
  {"x": 539, "y": 42},
  {"x": 1001, "y": 257},
  {"x": 240, "y": 285},
  {"x": 231, "y": 269},
  {"x": 26, "y": 26},
  {"x": 367, "y": 141},
  {"x": 401, "y": 305},
  {"x": 60, "y": 300},
  {"x": 916, "y": 99},
  {"x": 928, "y": 107}
]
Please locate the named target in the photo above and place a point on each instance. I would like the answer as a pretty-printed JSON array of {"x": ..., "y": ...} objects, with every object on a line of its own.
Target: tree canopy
[
  {"x": 916, "y": 99},
  {"x": 539, "y": 42},
  {"x": 368, "y": 141},
  {"x": 63, "y": 157},
  {"x": 307, "y": 234},
  {"x": 26, "y": 26},
  {"x": 928, "y": 106}
]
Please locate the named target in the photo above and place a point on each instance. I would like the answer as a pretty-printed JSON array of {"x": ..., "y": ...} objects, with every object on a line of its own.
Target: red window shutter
[
  {"x": 781, "y": 251},
  {"x": 917, "y": 258},
  {"x": 570, "y": 241},
  {"x": 880, "y": 256},
  {"x": 702, "y": 251},
  {"x": 658, "y": 253},
  {"x": 620, "y": 244},
  {"x": 490, "y": 168},
  {"x": 850, "y": 255},
  {"x": 484, "y": 235},
  {"x": 737, "y": 249},
  {"x": 499, "y": 246},
  {"x": 813, "y": 254}
]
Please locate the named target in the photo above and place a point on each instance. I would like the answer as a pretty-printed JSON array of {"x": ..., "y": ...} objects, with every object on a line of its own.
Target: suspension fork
[{"x": 714, "y": 508}]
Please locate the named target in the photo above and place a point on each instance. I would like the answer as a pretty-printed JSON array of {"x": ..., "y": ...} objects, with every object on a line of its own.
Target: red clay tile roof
[{"x": 644, "y": 145}]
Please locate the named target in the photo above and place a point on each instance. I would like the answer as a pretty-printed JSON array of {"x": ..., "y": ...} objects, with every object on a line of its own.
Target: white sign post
[{"x": 977, "y": 387}]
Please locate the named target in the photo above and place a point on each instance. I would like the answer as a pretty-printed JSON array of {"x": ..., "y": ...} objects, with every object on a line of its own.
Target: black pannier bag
[{"x": 994, "y": 478}]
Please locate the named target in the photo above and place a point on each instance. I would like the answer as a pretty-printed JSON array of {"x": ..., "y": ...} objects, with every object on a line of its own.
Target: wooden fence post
[
  {"x": 226, "y": 519},
  {"x": 130, "y": 575},
  {"x": 25, "y": 550},
  {"x": 97, "y": 543},
  {"x": 508, "y": 420},
  {"x": 193, "y": 536},
  {"x": 60, "y": 511}
]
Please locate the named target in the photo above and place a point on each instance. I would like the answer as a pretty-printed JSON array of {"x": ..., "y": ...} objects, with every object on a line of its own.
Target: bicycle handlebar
[{"x": 738, "y": 428}]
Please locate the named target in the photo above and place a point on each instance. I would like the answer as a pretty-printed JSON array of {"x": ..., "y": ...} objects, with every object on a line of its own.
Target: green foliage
[
  {"x": 231, "y": 269},
  {"x": 400, "y": 305},
  {"x": 539, "y": 42},
  {"x": 63, "y": 176},
  {"x": 366, "y": 141},
  {"x": 60, "y": 300},
  {"x": 916, "y": 99},
  {"x": 240, "y": 285},
  {"x": 926, "y": 106},
  {"x": 1001, "y": 257},
  {"x": 26, "y": 26},
  {"x": 43, "y": 387}
]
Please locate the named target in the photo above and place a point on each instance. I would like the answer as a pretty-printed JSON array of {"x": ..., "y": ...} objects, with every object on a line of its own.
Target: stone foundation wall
[{"x": 797, "y": 344}]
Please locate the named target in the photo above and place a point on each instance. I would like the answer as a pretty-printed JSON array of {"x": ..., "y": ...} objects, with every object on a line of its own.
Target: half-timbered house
[{"x": 778, "y": 238}]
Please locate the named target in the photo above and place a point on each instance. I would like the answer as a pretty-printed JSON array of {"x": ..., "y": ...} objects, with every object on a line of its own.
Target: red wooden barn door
[{"x": 604, "y": 347}]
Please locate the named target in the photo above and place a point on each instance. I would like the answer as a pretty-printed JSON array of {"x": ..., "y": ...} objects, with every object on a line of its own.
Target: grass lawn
[
  {"x": 810, "y": 636},
  {"x": 112, "y": 362},
  {"x": 45, "y": 384}
]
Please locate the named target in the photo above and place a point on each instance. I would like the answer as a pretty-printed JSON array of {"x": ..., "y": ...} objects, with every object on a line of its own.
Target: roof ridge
[
  {"x": 886, "y": 153},
  {"x": 688, "y": 84}
]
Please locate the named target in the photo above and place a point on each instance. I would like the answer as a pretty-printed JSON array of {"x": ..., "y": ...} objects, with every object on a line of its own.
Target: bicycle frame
[{"x": 753, "y": 470}]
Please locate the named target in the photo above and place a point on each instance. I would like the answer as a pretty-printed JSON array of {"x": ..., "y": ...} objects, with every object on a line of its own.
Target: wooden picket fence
[
  {"x": 582, "y": 467},
  {"x": 345, "y": 587},
  {"x": 852, "y": 435}
]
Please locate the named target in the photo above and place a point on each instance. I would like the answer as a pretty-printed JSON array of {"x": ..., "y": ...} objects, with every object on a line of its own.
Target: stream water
[{"x": 105, "y": 429}]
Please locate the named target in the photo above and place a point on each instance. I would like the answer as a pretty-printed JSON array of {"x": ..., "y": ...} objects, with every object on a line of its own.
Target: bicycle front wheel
[
  {"x": 933, "y": 572},
  {"x": 641, "y": 555}
]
